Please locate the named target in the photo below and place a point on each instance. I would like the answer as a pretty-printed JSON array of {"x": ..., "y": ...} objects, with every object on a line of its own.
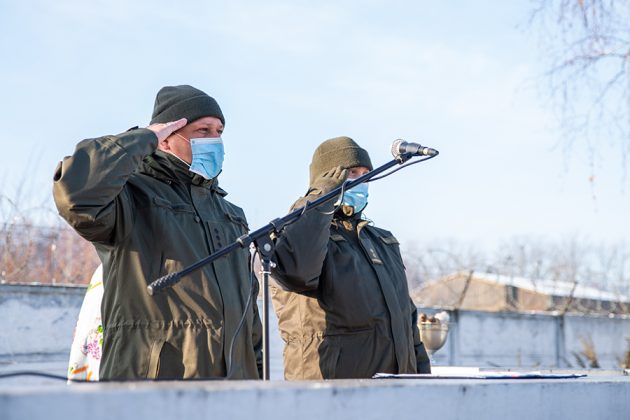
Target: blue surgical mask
[
  {"x": 207, "y": 156},
  {"x": 356, "y": 197}
]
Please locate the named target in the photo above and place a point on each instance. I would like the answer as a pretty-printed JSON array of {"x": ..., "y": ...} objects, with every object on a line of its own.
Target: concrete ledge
[{"x": 585, "y": 398}]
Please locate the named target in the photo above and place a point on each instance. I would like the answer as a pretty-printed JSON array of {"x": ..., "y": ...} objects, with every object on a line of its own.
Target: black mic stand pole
[{"x": 264, "y": 245}]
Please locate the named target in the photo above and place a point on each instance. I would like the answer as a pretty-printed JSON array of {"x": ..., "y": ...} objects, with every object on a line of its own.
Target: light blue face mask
[
  {"x": 207, "y": 156},
  {"x": 356, "y": 197}
]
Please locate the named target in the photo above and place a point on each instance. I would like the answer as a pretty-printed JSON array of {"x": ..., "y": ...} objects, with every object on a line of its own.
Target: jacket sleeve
[
  {"x": 302, "y": 247},
  {"x": 423, "y": 364},
  {"x": 89, "y": 186}
]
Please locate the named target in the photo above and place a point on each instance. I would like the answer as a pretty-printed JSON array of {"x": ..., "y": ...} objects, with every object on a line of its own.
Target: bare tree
[
  {"x": 574, "y": 260},
  {"x": 36, "y": 246},
  {"x": 587, "y": 46},
  {"x": 439, "y": 258}
]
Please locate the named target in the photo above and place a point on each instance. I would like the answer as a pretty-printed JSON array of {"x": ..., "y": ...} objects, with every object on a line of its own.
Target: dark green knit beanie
[
  {"x": 175, "y": 102},
  {"x": 340, "y": 151}
]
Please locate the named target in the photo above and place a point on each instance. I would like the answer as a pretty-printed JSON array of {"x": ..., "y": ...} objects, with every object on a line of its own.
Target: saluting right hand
[
  {"x": 329, "y": 180},
  {"x": 163, "y": 130}
]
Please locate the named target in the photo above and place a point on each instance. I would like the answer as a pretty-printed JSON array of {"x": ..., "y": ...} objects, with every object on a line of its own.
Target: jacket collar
[
  {"x": 348, "y": 221},
  {"x": 166, "y": 167}
]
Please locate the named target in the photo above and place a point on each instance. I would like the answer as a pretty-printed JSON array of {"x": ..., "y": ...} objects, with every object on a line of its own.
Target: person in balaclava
[
  {"x": 150, "y": 202},
  {"x": 341, "y": 297}
]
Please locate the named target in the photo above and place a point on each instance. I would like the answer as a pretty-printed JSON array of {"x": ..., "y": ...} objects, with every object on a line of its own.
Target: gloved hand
[{"x": 328, "y": 181}]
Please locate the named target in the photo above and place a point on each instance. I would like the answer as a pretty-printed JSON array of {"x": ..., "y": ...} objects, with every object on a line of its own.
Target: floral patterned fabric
[{"x": 87, "y": 344}]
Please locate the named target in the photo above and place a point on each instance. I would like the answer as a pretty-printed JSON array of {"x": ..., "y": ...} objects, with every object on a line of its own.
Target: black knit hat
[
  {"x": 184, "y": 101},
  {"x": 339, "y": 151}
]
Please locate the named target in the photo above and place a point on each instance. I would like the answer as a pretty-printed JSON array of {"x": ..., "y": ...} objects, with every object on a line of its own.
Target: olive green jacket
[
  {"x": 147, "y": 216},
  {"x": 343, "y": 303}
]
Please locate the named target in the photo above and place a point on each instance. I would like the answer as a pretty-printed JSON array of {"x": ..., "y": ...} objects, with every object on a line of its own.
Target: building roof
[{"x": 547, "y": 287}]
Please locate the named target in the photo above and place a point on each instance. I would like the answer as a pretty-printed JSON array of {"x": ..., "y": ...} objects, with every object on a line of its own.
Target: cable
[
  {"x": 343, "y": 188},
  {"x": 401, "y": 167},
  {"x": 307, "y": 206},
  {"x": 40, "y": 374},
  {"x": 252, "y": 279},
  {"x": 70, "y": 381},
  {"x": 304, "y": 208},
  {"x": 337, "y": 206}
]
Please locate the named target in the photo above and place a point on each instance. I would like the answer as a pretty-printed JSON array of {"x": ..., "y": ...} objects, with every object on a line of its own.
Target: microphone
[{"x": 400, "y": 147}]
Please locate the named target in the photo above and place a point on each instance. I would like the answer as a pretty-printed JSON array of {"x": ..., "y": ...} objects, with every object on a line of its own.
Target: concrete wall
[
  {"x": 37, "y": 323},
  {"x": 444, "y": 399},
  {"x": 490, "y": 339}
]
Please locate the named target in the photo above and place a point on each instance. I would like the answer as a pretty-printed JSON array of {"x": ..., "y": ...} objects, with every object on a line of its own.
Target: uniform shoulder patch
[{"x": 390, "y": 240}]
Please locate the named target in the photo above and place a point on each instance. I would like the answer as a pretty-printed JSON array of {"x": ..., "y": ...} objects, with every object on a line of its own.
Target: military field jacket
[
  {"x": 147, "y": 216},
  {"x": 343, "y": 302}
]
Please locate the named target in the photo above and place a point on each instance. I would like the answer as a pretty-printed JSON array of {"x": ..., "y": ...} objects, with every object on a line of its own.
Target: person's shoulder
[
  {"x": 378, "y": 230},
  {"x": 386, "y": 235},
  {"x": 233, "y": 209}
]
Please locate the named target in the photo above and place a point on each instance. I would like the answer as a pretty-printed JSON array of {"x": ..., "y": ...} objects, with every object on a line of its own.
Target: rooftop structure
[{"x": 496, "y": 292}]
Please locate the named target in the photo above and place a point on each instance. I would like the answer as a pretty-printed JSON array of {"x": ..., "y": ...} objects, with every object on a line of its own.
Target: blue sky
[{"x": 460, "y": 76}]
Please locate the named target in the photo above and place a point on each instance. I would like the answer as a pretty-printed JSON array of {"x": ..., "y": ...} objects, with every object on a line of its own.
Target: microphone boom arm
[
  {"x": 276, "y": 225},
  {"x": 261, "y": 238}
]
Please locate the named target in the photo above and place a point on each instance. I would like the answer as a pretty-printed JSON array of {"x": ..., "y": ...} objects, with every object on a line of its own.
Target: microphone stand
[
  {"x": 261, "y": 238},
  {"x": 265, "y": 247}
]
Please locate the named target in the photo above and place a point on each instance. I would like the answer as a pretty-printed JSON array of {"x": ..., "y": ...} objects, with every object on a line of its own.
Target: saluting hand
[
  {"x": 329, "y": 180},
  {"x": 163, "y": 130}
]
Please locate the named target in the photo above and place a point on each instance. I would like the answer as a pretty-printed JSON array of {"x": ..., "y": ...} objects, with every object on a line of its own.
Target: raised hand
[
  {"x": 163, "y": 130},
  {"x": 329, "y": 180}
]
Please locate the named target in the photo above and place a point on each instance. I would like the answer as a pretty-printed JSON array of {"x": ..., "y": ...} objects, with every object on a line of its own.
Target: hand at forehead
[{"x": 163, "y": 130}]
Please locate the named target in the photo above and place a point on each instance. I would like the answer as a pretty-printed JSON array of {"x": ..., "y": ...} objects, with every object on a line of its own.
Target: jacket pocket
[
  {"x": 175, "y": 207},
  {"x": 337, "y": 238},
  {"x": 390, "y": 240},
  {"x": 238, "y": 220}
]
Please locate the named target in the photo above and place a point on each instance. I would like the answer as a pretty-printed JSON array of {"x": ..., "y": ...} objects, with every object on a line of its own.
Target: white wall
[
  {"x": 38, "y": 322},
  {"x": 489, "y": 339}
]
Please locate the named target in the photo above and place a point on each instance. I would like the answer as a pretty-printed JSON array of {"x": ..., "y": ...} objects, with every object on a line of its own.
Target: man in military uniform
[
  {"x": 343, "y": 302},
  {"x": 150, "y": 202}
]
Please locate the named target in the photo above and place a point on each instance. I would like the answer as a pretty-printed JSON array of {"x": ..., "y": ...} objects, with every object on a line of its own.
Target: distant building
[{"x": 496, "y": 293}]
